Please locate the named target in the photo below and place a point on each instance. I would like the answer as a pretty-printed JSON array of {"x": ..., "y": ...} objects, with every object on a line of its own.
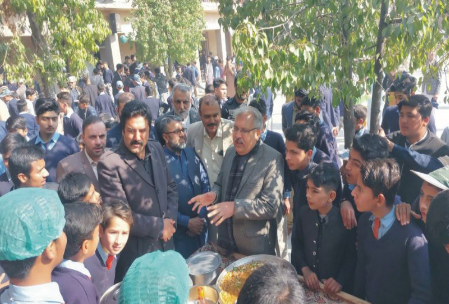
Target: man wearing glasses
[
  {"x": 190, "y": 175},
  {"x": 246, "y": 197},
  {"x": 182, "y": 105}
]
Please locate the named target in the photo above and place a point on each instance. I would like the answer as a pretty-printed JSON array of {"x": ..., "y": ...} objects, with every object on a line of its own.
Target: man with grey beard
[
  {"x": 190, "y": 175},
  {"x": 182, "y": 105}
]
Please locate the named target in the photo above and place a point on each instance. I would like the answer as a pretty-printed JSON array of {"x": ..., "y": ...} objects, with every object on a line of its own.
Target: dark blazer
[
  {"x": 114, "y": 136},
  {"x": 32, "y": 126},
  {"x": 90, "y": 111},
  {"x": 276, "y": 141},
  {"x": 12, "y": 107},
  {"x": 326, "y": 142},
  {"x": 92, "y": 91},
  {"x": 153, "y": 104},
  {"x": 139, "y": 92},
  {"x": 122, "y": 176},
  {"x": 104, "y": 104},
  {"x": 77, "y": 162},
  {"x": 189, "y": 74},
  {"x": 5, "y": 187},
  {"x": 287, "y": 115},
  {"x": 75, "y": 287},
  {"x": 333, "y": 257}
]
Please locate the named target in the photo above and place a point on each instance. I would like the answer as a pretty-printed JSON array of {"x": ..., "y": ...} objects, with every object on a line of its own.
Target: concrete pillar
[
  {"x": 110, "y": 51},
  {"x": 221, "y": 44}
]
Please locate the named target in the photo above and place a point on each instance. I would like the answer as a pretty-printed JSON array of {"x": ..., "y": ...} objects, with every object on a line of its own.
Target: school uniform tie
[
  {"x": 376, "y": 228},
  {"x": 109, "y": 261}
]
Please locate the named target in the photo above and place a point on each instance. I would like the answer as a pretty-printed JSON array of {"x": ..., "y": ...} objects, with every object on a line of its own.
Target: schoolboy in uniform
[
  {"x": 392, "y": 260},
  {"x": 322, "y": 248},
  {"x": 299, "y": 146},
  {"x": 360, "y": 113},
  {"x": 82, "y": 229},
  {"x": 32, "y": 243},
  {"x": 114, "y": 233}
]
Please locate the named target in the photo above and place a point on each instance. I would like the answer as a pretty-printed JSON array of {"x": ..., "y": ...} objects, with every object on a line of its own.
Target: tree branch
[{"x": 395, "y": 21}]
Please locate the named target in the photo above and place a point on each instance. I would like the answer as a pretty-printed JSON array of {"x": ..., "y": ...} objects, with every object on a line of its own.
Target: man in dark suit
[
  {"x": 289, "y": 110},
  {"x": 32, "y": 126},
  {"x": 9, "y": 143},
  {"x": 115, "y": 134},
  {"x": 84, "y": 110},
  {"x": 94, "y": 139},
  {"x": 73, "y": 124},
  {"x": 152, "y": 103},
  {"x": 104, "y": 103},
  {"x": 189, "y": 74},
  {"x": 137, "y": 173},
  {"x": 138, "y": 90}
]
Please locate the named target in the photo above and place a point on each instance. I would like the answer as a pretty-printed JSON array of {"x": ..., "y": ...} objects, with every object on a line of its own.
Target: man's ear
[
  {"x": 332, "y": 195},
  {"x": 22, "y": 178},
  {"x": 49, "y": 253},
  {"x": 165, "y": 137},
  {"x": 85, "y": 246},
  {"x": 426, "y": 120}
]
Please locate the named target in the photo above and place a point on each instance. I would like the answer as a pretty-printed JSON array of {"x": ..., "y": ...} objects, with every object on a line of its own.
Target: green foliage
[
  {"x": 288, "y": 43},
  {"x": 65, "y": 36},
  {"x": 167, "y": 29}
]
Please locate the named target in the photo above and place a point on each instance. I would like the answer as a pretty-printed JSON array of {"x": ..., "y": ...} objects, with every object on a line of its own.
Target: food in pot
[{"x": 234, "y": 280}]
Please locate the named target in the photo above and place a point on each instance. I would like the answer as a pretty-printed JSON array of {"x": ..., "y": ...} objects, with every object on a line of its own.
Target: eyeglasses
[
  {"x": 243, "y": 131},
  {"x": 177, "y": 132}
]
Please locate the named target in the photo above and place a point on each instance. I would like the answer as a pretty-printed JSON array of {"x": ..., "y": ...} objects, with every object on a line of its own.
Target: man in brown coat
[
  {"x": 86, "y": 162},
  {"x": 137, "y": 173}
]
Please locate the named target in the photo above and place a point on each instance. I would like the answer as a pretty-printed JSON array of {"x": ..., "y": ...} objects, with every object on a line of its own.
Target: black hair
[
  {"x": 18, "y": 269},
  {"x": 21, "y": 159},
  {"x": 303, "y": 135},
  {"x": 172, "y": 82},
  {"x": 371, "y": 146},
  {"x": 218, "y": 82},
  {"x": 81, "y": 219},
  {"x": 209, "y": 89},
  {"x": 272, "y": 284},
  {"x": 437, "y": 223},
  {"x": 65, "y": 98},
  {"x": 161, "y": 125},
  {"x": 118, "y": 66},
  {"x": 360, "y": 112},
  {"x": 12, "y": 141},
  {"x": 84, "y": 98},
  {"x": 116, "y": 208},
  {"x": 108, "y": 120},
  {"x": 133, "y": 57},
  {"x": 101, "y": 87},
  {"x": 29, "y": 92},
  {"x": 405, "y": 83},
  {"x": 44, "y": 105},
  {"x": 382, "y": 176},
  {"x": 208, "y": 99},
  {"x": 325, "y": 175},
  {"x": 310, "y": 118},
  {"x": 127, "y": 57},
  {"x": 157, "y": 70},
  {"x": 132, "y": 109},
  {"x": 96, "y": 70},
  {"x": 22, "y": 105},
  {"x": 90, "y": 121},
  {"x": 420, "y": 102},
  {"x": 14, "y": 123},
  {"x": 301, "y": 92},
  {"x": 260, "y": 105},
  {"x": 311, "y": 102},
  {"x": 74, "y": 187}
]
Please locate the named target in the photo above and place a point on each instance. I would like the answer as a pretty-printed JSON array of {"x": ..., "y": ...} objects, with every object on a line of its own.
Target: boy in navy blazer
[
  {"x": 32, "y": 126},
  {"x": 114, "y": 233},
  {"x": 82, "y": 229},
  {"x": 322, "y": 248},
  {"x": 73, "y": 124},
  {"x": 392, "y": 260}
]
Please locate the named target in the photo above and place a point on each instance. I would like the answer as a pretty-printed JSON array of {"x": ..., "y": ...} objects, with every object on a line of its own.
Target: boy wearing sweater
[
  {"x": 82, "y": 229},
  {"x": 322, "y": 248},
  {"x": 114, "y": 233},
  {"x": 392, "y": 260}
]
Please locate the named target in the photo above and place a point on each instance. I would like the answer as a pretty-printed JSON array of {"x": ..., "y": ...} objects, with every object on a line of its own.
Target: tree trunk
[
  {"x": 376, "y": 98},
  {"x": 348, "y": 118},
  {"x": 41, "y": 48}
]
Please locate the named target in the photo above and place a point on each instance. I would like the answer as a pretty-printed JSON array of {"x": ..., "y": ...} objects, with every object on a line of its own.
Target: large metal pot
[
  {"x": 210, "y": 295},
  {"x": 203, "y": 267}
]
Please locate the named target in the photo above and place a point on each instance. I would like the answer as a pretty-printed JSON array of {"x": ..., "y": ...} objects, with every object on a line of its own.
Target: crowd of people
[{"x": 124, "y": 175}]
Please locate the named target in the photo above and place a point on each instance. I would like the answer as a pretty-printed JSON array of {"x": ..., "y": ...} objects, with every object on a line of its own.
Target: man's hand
[
  {"x": 196, "y": 225},
  {"x": 348, "y": 215},
  {"x": 220, "y": 212},
  {"x": 403, "y": 212},
  {"x": 335, "y": 131},
  {"x": 202, "y": 200},
  {"x": 311, "y": 279},
  {"x": 381, "y": 132},
  {"x": 288, "y": 206},
  {"x": 331, "y": 286},
  {"x": 169, "y": 229}
]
